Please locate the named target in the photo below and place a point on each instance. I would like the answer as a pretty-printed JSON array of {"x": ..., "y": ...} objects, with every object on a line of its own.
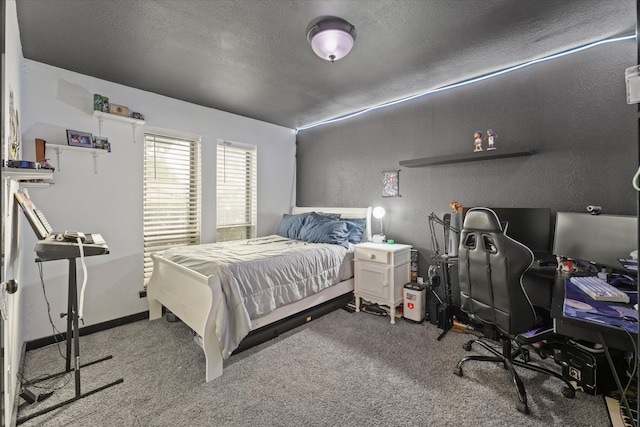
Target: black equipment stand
[
  {"x": 445, "y": 262},
  {"x": 72, "y": 331}
]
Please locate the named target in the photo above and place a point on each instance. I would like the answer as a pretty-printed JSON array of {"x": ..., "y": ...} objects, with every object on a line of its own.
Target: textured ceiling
[{"x": 251, "y": 57}]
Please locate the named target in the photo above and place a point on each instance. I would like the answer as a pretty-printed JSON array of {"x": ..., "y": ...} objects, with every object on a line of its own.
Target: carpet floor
[{"x": 343, "y": 369}]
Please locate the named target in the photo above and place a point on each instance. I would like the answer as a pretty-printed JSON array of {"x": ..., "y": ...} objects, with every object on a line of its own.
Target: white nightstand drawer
[{"x": 373, "y": 255}]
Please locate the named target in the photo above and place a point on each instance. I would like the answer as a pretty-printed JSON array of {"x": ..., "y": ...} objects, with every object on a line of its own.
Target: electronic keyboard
[
  {"x": 54, "y": 245},
  {"x": 53, "y": 248}
]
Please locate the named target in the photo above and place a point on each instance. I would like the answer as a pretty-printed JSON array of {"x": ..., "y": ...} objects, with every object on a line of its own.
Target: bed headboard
[{"x": 344, "y": 213}]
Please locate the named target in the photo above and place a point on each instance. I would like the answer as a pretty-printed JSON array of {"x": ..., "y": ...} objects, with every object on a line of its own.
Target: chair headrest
[{"x": 482, "y": 219}]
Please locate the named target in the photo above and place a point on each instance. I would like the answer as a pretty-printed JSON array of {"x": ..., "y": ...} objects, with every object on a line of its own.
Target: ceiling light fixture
[{"x": 332, "y": 38}]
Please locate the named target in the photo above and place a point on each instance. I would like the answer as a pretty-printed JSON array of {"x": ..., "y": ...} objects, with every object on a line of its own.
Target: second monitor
[{"x": 597, "y": 239}]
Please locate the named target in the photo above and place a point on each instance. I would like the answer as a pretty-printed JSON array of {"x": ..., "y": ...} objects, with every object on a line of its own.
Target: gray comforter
[{"x": 259, "y": 275}]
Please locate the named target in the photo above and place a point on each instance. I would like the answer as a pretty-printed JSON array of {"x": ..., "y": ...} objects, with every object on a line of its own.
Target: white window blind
[
  {"x": 236, "y": 191},
  {"x": 171, "y": 194}
]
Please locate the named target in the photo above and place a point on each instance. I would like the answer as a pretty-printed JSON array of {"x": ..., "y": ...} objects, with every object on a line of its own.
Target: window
[
  {"x": 236, "y": 191},
  {"x": 171, "y": 194}
]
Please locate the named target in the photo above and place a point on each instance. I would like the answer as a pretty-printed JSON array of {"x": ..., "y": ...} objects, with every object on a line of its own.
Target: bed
[{"x": 204, "y": 285}]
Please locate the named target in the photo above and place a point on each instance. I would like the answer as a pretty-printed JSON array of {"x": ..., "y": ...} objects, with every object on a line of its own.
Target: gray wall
[{"x": 572, "y": 111}]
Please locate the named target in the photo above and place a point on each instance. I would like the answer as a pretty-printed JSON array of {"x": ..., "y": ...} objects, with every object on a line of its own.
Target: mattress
[{"x": 260, "y": 275}]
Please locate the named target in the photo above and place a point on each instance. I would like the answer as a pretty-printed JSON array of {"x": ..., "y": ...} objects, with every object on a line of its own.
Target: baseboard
[{"x": 87, "y": 330}]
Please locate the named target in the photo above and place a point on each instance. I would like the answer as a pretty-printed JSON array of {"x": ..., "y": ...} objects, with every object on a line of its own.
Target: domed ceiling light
[{"x": 332, "y": 38}]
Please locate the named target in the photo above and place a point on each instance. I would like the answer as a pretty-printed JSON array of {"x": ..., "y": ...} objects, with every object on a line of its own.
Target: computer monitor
[
  {"x": 598, "y": 239},
  {"x": 529, "y": 226}
]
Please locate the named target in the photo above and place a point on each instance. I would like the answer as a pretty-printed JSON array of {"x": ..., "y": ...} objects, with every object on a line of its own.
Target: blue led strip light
[{"x": 467, "y": 82}]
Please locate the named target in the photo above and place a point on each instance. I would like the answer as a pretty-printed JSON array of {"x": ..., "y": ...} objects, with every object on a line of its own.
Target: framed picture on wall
[
  {"x": 79, "y": 139},
  {"x": 391, "y": 183}
]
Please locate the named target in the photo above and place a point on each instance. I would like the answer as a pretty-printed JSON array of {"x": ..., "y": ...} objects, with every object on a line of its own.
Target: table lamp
[{"x": 378, "y": 212}]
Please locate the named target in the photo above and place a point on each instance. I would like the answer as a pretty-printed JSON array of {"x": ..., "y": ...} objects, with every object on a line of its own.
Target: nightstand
[{"x": 381, "y": 270}]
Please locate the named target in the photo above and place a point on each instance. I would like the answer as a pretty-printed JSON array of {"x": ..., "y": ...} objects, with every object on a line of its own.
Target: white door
[{"x": 9, "y": 302}]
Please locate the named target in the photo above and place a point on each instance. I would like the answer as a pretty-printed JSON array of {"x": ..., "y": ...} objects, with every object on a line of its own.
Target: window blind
[
  {"x": 236, "y": 191},
  {"x": 171, "y": 195}
]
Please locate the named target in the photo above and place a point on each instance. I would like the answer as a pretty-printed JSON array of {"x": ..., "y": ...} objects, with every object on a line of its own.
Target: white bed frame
[{"x": 197, "y": 299}]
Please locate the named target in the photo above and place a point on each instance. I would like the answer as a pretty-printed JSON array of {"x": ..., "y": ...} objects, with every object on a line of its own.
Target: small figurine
[
  {"x": 44, "y": 164},
  {"x": 491, "y": 139},
  {"x": 477, "y": 141},
  {"x": 457, "y": 207}
]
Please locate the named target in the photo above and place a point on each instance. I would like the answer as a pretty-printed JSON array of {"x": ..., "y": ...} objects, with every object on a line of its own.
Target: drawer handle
[{"x": 372, "y": 256}]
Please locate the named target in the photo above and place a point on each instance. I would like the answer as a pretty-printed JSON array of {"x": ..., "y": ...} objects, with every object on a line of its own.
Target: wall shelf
[
  {"x": 499, "y": 153},
  {"x": 59, "y": 148},
  {"x": 118, "y": 118},
  {"x": 18, "y": 174},
  {"x": 35, "y": 184},
  {"x": 100, "y": 115}
]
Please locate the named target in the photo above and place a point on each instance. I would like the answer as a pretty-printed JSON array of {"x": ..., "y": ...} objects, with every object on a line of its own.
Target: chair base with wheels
[{"x": 508, "y": 360}]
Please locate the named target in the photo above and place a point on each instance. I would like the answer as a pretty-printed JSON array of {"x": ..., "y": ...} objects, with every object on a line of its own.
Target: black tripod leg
[
  {"x": 448, "y": 323},
  {"x": 443, "y": 333}
]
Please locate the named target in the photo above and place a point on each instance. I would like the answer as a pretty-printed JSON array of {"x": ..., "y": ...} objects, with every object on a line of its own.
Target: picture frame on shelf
[
  {"x": 120, "y": 110},
  {"x": 97, "y": 102},
  {"x": 105, "y": 104},
  {"x": 101, "y": 143},
  {"x": 77, "y": 138}
]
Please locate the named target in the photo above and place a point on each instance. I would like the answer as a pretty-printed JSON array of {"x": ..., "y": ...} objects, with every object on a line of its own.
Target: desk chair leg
[
  {"x": 508, "y": 362},
  {"x": 505, "y": 359},
  {"x": 477, "y": 358},
  {"x": 507, "y": 354},
  {"x": 484, "y": 345},
  {"x": 568, "y": 392}
]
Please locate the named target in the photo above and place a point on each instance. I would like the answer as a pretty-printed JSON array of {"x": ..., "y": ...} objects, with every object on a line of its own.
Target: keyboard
[
  {"x": 599, "y": 290},
  {"x": 50, "y": 249}
]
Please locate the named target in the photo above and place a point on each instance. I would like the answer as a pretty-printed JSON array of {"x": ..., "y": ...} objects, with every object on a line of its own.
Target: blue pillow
[
  {"x": 325, "y": 231},
  {"x": 356, "y": 229},
  {"x": 323, "y": 215},
  {"x": 290, "y": 225}
]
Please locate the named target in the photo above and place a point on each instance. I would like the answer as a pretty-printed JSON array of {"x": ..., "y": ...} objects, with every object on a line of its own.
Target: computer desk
[
  {"x": 609, "y": 335},
  {"x": 546, "y": 289}
]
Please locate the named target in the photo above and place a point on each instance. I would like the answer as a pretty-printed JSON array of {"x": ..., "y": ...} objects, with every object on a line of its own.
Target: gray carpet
[{"x": 347, "y": 369}]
